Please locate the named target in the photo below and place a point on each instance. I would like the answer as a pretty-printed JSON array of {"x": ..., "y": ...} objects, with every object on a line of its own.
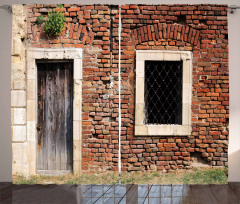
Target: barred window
[{"x": 163, "y": 92}]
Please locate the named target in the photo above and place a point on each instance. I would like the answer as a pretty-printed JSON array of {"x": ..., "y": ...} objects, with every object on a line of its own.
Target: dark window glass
[{"x": 163, "y": 92}]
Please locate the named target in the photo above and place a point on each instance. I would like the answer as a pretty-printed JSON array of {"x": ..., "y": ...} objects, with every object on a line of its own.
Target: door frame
[{"x": 34, "y": 54}]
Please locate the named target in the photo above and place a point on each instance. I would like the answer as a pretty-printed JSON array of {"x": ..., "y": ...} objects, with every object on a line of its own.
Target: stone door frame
[{"x": 34, "y": 54}]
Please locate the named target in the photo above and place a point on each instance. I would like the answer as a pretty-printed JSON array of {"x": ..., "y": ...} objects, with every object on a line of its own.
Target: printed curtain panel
[{"x": 71, "y": 117}]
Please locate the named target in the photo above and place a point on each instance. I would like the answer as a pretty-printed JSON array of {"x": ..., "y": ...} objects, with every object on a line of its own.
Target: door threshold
[{"x": 54, "y": 172}]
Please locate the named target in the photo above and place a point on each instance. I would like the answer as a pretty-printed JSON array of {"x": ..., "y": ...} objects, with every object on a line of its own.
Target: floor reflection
[{"x": 111, "y": 194}]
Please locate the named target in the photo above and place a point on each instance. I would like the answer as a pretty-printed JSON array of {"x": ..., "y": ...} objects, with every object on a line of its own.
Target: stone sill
[{"x": 162, "y": 130}]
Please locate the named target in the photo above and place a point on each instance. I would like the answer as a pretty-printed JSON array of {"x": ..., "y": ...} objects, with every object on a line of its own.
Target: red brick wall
[{"x": 201, "y": 29}]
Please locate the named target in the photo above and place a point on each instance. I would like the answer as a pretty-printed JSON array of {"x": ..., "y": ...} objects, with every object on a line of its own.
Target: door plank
[
  {"x": 40, "y": 145},
  {"x": 62, "y": 135},
  {"x": 59, "y": 116},
  {"x": 51, "y": 120},
  {"x": 44, "y": 112},
  {"x": 71, "y": 119},
  {"x": 41, "y": 134},
  {"x": 69, "y": 114},
  {"x": 66, "y": 104}
]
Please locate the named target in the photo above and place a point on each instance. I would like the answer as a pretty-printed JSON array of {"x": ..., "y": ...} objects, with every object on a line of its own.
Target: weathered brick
[{"x": 145, "y": 28}]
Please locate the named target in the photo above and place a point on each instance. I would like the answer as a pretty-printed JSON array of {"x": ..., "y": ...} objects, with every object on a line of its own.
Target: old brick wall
[{"x": 201, "y": 29}]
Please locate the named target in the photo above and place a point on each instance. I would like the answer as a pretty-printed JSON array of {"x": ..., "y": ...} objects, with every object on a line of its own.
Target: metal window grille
[{"x": 163, "y": 92}]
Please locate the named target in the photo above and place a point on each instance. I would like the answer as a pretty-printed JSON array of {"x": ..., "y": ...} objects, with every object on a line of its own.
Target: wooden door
[{"x": 55, "y": 116}]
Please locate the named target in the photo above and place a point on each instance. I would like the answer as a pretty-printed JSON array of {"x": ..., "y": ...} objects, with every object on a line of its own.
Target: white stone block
[
  {"x": 31, "y": 69},
  {"x": 76, "y": 150},
  {"x": 19, "y": 133},
  {"x": 186, "y": 114},
  {"x": 19, "y": 116},
  {"x": 31, "y": 110},
  {"x": 16, "y": 46},
  {"x": 19, "y": 153},
  {"x": 31, "y": 130},
  {"x": 140, "y": 68},
  {"x": 18, "y": 69},
  {"x": 19, "y": 85},
  {"x": 77, "y": 167},
  {"x": 160, "y": 129},
  {"x": 31, "y": 89},
  {"x": 171, "y": 56},
  {"x": 140, "y": 90},
  {"x": 53, "y": 54},
  {"x": 187, "y": 93},
  {"x": 76, "y": 114},
  {"x": 141, "y": 130},
  {"x": 183, "y": 130},
  {"x": 20, "y": 169},
  {"x": 77, "y": 99},
  {"x": 187, "y": 72},
  {"x": 139, "y": 114},
  {"x": 32, "y": 157},
  {"x": 18, "y": 98},
  {"x": 35, "y": 53},
  {"x": 77, "y": 69},
  {"x": 139, "y": 55},
  {"x": 186, "y": 55},
  {"x": 76, "y": 130},
  {"x": 11, "y": 116},
  {"x": 154, "y": 55}
]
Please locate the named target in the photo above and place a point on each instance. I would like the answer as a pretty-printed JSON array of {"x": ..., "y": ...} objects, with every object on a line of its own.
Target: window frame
[{"x": 142, "y": 129}]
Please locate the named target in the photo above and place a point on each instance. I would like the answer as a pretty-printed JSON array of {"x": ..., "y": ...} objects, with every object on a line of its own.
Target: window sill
[{"x": 162, "y": 130}]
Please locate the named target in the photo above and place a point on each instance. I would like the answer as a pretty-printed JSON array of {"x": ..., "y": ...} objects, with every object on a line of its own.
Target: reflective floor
[{"x": 62, "y": 194}]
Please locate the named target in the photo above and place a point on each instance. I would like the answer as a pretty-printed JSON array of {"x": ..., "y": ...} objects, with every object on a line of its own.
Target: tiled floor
[{"x": 111, "y": 194}]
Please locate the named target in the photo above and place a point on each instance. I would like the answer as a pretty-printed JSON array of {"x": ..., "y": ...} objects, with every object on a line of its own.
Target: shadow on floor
[{"x": 63, "y": 194}]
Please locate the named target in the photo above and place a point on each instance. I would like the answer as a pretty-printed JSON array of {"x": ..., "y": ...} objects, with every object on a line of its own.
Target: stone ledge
[{"x": 54, "y": 53}]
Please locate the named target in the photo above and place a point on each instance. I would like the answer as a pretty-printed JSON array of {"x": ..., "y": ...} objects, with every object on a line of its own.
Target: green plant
[
  {"x": 60, "y": 6},
  {"x": 40, "y": 20},
  {"x": 54, "y": 23}
]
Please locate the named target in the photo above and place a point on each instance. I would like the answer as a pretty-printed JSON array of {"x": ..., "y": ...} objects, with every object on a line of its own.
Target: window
[{"x": 163, "y": 92}]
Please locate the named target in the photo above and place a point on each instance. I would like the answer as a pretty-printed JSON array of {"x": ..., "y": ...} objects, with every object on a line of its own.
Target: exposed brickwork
[
  {"x": 165, "y": 31},
  {"x": 201, "y": 29}
]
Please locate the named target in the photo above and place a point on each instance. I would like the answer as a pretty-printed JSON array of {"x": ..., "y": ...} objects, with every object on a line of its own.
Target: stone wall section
[{"x": 18, "y": 91}]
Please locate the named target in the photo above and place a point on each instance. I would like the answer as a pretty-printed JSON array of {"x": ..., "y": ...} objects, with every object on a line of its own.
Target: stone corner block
[
  {"x": 18, "y": 98},
  {"x": 19, "y": 133}
]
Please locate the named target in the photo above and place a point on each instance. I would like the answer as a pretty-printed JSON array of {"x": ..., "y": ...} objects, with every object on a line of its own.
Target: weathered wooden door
[{"x": 55, "y": 116}]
